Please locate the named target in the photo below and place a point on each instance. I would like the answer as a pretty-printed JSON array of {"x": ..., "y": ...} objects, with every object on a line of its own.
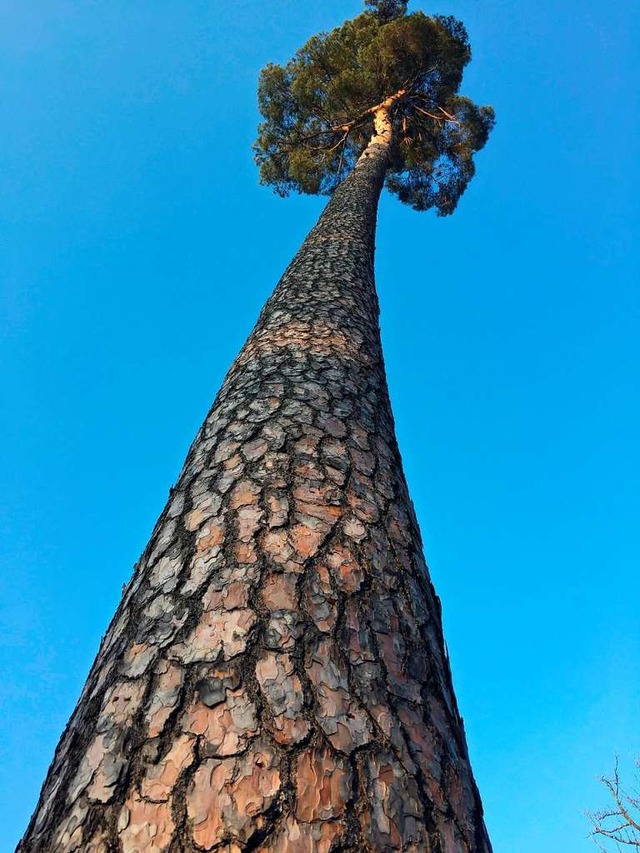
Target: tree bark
[{"x": 275, "y": 677}]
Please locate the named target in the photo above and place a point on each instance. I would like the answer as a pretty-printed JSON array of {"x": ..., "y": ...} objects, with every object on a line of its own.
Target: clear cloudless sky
[{"x": 137, "y": 250}]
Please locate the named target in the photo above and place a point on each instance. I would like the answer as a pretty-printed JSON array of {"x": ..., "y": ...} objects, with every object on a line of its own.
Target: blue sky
[{"x": 137, "y": 251}]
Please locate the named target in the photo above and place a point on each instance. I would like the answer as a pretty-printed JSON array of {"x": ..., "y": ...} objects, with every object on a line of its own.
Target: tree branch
[{"x": 623, "y": 827}]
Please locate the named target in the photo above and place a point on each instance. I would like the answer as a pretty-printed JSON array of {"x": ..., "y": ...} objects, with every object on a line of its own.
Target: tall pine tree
[{"x": 275, "y": 678}]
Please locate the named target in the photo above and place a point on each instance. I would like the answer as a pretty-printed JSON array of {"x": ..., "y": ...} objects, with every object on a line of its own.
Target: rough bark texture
[{"x": 275, "y": 677}]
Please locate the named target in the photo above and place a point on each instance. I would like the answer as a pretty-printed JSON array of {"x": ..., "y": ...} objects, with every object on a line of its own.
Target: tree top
[
  {"x": 387, "y": 10},
  {"x": 318, "y": 107}
]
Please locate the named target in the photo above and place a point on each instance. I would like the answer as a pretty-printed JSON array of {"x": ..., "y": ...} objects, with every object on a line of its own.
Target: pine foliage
[
  {"x": 387, "y": 10},
  {"x": 318, "y": 107}
]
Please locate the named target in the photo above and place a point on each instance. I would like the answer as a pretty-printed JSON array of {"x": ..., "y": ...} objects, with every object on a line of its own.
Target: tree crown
[{"x": 318, "y": 108}]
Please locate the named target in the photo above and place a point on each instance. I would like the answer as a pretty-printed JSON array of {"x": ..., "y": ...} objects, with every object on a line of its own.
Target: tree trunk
[{"x": 275, "y": 677}]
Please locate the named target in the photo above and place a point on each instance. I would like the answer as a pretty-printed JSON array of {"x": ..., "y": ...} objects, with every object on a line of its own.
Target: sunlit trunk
[{"x": 275, "y": 677}]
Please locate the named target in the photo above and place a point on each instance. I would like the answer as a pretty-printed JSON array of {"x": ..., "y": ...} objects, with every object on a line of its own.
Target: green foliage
[
  {"x": 387, "y": 10},
  {"x": 318, "y": 108}
]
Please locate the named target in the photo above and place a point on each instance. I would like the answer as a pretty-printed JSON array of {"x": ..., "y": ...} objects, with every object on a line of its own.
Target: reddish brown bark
[{"x": 275, "y": 677}]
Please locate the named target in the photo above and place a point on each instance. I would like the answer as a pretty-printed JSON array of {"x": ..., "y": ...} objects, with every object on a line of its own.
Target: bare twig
[
  {"x": 620, "y": 824},
  {"x": 330, "y": 148},
  {"x": 439, "y": 118}
]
